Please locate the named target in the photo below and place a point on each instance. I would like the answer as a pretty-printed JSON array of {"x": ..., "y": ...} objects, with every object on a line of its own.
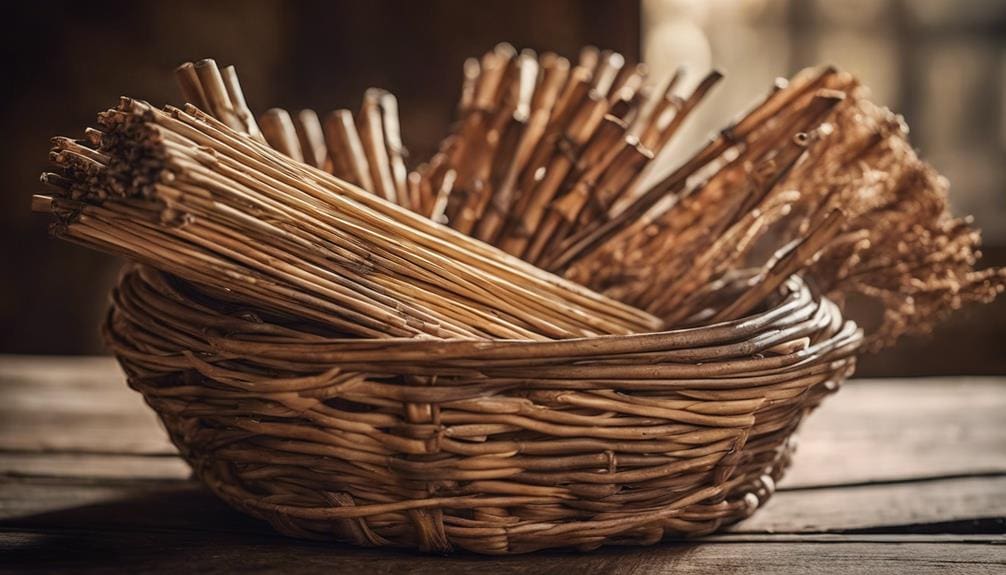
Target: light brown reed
[{"x": 193, "y": 197}]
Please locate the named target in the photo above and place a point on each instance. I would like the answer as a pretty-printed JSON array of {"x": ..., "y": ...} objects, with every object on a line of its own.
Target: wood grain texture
[
  {"x": 66, "y": 551},
  {"x": 898, "y": 506},
  {"x": 68, "y": 404},
  {"x": 894, "y": 429},
  {"x": 89, "y": 466}
]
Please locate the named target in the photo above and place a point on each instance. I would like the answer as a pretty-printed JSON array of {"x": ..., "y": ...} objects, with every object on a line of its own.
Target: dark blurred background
[{"x": 941, "y": 63}]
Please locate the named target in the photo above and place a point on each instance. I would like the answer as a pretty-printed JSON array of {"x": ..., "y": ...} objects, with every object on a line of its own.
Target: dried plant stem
[
  {"x": 349, "y": 161},
  {"x": 237, "y": 97},
  {"x": 372, "y": 136},
  {"x": 546, "y": 163},
  {"x": 312, "y": 139},
  {"x": 216, "y": 94},
  {"x": 281, "y": 134},
  {"x": 241, "y": 218}
]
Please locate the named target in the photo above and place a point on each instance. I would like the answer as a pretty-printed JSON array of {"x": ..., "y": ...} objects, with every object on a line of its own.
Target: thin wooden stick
[
  {"x": 312, "y": 139},
  {"x": 280, "y": 133},
  {"x": 216, "y": 94},
  {"x": 554, "y": 71},
  {"x": 785, "y": 264},
  {"x": 396, "y": 150},
  {"x": 608, "y": 68},
  {"x": 371, "y": 129},
  {"x": 237, "y": 97},
  {"x": 349, "y": 160},
  {"x": 192, "y": 89}
]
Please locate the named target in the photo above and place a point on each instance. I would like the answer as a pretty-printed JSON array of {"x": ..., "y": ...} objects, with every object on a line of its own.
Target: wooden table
[{"x": 891, "y": 476}]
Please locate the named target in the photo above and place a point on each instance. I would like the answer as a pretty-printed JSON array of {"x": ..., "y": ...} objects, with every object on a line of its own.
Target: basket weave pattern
[{"x": 498, "y": 446}]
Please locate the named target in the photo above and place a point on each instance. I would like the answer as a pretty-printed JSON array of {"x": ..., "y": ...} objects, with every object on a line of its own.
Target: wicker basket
[{"x": 494, "y": 447}]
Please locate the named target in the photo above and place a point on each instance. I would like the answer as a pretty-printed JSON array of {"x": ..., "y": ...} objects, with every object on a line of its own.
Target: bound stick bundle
[{"x": 187, "y": 194}]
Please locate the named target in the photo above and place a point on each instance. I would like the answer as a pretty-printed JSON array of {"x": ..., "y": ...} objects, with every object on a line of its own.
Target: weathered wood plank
[
  {"x": 92, "y": 466},
  {"x": 76, "y": 405},
  {"x": 73, "y": 551},
  {"x": 891, "y": 429},
  {"x": 896, "y": 506}
]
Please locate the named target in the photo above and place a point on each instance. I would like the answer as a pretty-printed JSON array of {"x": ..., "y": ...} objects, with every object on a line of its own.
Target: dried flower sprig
[{"x": 827, "y": 181}]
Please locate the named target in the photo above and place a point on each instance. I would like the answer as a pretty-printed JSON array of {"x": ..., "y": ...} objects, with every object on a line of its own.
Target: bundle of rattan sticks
[
  {"x": 544, "y": 163},
  {"x": 184, "y": 193}
]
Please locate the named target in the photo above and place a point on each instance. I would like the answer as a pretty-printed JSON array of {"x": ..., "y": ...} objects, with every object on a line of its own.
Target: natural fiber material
[
  {"x": 501, "y": 446},
  {"x": 181, "y": 191},
  {"x": 547, "y": 158},
  {"x": 329, "y": 356},
  {"x": 815, "y": 179}
]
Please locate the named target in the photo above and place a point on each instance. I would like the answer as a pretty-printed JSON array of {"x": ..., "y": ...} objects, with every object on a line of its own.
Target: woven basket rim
[{"x": 793, "y": 292}]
